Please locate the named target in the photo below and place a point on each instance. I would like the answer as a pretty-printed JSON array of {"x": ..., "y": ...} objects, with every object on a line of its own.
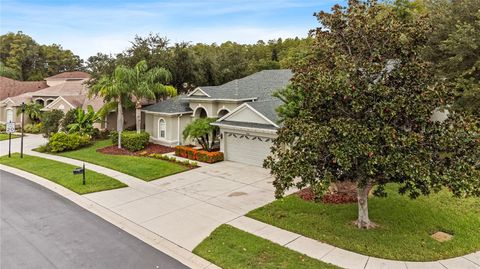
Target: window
[
  {"x": 9, "y": 115},
  {"x": 162, "y": 126}
]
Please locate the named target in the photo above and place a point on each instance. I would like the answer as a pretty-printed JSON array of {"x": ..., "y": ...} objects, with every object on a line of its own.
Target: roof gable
[
  {"x": 198, "y": 92},
  {"x": 246, "y": 113}
]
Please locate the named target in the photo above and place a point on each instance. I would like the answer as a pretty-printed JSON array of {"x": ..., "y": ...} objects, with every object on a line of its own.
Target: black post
[
  {"x": 83, "y": 173},
  {"x": 9, "y": 145},
  {"x": 21, "y": 142}
]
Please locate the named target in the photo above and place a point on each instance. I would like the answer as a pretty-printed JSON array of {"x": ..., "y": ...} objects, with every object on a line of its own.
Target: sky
[{"x": 90, "y": 26}]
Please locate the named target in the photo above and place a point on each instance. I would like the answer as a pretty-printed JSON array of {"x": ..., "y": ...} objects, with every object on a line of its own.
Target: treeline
[
  {"x": 201, "y": 64},
  {"x": 22, "y": 58}
]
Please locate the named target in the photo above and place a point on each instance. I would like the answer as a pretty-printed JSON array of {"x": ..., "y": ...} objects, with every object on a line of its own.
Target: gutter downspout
[{"x": 178, "y": 129}]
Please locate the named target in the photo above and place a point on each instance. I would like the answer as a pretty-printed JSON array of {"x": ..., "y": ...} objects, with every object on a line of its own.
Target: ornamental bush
[
  {"x": 199, "y": 155},
  {"x": 33, "y": 128},
  {"x": 132, "y": 140},
  {"x": 62, "y": 142}
]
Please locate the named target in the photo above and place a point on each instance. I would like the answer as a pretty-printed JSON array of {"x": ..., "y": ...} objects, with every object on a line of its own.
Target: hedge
[
  {"x": 199, "y": 155},
  {"x": 131, "y": 140},
  {"x": 59, "y": 142}
]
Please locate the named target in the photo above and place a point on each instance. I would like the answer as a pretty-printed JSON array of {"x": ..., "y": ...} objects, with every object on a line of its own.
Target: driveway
[
  {"x": 40, "y": 229},
  {"x": 185, "y": 208}
]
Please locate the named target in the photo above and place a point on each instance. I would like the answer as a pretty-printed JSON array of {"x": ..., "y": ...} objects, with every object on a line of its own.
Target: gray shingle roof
[
  {"x": 260, "y": 85},
  {"x": 176, "y": 104},
  {"x": 267, "y": 108},
  {"x": 246, "y": 124}
]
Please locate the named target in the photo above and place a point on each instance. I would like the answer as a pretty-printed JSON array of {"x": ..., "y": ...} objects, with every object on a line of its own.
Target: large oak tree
[{"x": 359, "y": 108}]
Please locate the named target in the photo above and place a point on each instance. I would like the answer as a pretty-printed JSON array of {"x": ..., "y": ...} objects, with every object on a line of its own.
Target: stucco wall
[
  {"x": 128, "y": 120},
  {"x": 62, "y": 105}
]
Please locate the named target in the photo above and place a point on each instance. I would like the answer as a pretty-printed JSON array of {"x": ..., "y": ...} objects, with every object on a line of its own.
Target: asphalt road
[{"x": 41, "y": 229}]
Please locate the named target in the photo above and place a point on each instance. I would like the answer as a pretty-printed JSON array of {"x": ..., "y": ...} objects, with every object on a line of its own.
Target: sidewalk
[{"x": 344, "y": 258}]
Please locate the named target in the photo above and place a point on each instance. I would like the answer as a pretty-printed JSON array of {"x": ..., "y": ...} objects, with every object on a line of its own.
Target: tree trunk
[
  {"x": 138, "y": 115},
  {"x": 363, "y": 221},
  {"x": 119, "y": 122}
]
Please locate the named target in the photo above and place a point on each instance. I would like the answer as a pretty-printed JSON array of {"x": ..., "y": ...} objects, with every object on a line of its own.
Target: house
[
  {"x": 245, "y": 108},
  {"x": 64, "y": 91}
]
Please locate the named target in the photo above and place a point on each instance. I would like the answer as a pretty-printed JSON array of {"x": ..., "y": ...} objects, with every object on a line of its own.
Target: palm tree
[
  {"x": 114, "y": 88},
  {"x": 33, "y": 112},
  {"x": 148, "y": 84},
  {"x": 84, "y": 121}
]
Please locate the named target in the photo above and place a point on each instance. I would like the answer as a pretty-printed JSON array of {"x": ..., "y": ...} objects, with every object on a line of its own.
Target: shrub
[
  {"x": 62, "y": 142},
  {"x": 51, "y": 121},
  {"x": 70, "y": 118},
  {"x": 100, "y": 134},
  {"x": 132, "y": 140},
  {"x": 33, "y": 128},
  {"x": 199, "y": 155},
  {"x": 209, "y": 157},
  {"x": 3, "y": 128}
]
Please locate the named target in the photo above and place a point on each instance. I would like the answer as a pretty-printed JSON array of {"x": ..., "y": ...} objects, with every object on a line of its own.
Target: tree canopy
[
  {"x": 359, "y": 108},
  {"x": 29, "y": 60}
]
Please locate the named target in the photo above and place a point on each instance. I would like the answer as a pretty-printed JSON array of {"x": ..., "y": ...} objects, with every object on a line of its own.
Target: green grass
[
  {"x": 4, "y": 136},
  {"x": 62, "y": 174},
  {"x": 140, "y": 167},
  {"x": 231, "y": 248},
  {"x": 405, "y": 224}
]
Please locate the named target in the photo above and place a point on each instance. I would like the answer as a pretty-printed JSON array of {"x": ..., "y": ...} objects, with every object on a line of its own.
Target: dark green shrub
[
  {"x": 51, "y": 121},
  {"x": 98, "y": 134},
  {"x": 70, "y": 118},
  {"x": 62, "y": 141},
  {"x": 2, "y": 127},
  {"x": 131, "y": 140}
]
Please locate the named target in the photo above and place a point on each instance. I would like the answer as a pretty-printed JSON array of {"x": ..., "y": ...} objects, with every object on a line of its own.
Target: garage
[{"x": 246, "y": 148}]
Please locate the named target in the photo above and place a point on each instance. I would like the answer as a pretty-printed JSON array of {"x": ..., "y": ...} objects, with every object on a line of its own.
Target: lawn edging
[
  {"x": 160, "y": 243},
  {"x": 337, "y": 256}
]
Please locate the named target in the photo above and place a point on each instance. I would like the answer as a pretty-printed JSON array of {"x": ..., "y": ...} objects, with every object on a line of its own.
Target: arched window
[
  {"x": 222, "y": 113},
  {"x": 200, "y": 112},
  {"x": 9, "y": 115},
  {"x": 162, "y": 128}
]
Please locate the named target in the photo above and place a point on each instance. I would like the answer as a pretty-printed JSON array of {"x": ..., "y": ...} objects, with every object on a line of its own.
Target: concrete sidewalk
[{"x": 344, "y": 258}]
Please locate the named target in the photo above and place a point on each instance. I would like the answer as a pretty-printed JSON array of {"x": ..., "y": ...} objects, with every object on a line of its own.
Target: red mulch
[
  {"x": 150, "y": 149},
  {"x": 329, "y": 198}
]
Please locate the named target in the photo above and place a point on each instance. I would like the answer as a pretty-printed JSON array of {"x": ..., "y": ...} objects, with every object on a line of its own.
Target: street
[{"x": 40, "y": 229}]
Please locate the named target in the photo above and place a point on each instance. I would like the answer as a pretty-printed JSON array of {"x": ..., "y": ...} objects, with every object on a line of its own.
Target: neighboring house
[
  {"x": 245, "y": 107},
  {"x": 64, "y": 91}
]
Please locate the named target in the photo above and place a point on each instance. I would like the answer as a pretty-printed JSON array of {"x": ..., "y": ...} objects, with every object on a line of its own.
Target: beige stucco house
[
  {"x": 245, "y": 108},
  {"x": 64, "y": 91}
]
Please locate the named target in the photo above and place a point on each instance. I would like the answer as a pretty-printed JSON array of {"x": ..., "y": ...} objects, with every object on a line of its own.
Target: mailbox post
[{"x": 80, "y": 170}]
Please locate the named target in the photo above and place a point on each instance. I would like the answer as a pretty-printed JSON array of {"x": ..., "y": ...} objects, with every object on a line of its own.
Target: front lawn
[
  {"x": 4, "y": 136},
  {"x": 405, "y": 224},
  {"x": 62, "y": 174},
  {"x": 231, "y": 248},
  {"x": 140, "y": 167}
]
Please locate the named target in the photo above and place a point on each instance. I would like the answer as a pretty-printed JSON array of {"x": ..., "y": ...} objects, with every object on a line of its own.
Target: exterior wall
[
  {"x": 175, "y": 124},
  {"x": 223, "y": 105},
  {"x": 128, "y": 120},
  {"x": 16, "y": 118},
  {"x": 61, "y": 105},
  {"x": 213, "y": 108},
  {"x": 247, "y": 115},
  {"x": 208, "y": 106}
]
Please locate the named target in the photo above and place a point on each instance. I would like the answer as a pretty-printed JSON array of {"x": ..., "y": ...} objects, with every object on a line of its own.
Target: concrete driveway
[
  {"x": 41, "y": 229},
  {"x": 185, "y": 208}
]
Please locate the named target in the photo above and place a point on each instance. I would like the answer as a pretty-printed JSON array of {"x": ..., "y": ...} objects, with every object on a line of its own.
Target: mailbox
[{"x": 78, "y": 171}]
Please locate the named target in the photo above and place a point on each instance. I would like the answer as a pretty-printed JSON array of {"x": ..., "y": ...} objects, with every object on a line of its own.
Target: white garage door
[{"x": 247, "y": 149}]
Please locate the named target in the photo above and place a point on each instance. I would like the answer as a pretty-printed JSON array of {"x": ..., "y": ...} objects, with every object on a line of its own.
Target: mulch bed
[
  {"x": 150, "y": 149},
  {"x": 329, "y": 198}
]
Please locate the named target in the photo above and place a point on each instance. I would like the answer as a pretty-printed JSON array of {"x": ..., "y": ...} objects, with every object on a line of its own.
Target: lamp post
[{"x": 23, "y": 120}]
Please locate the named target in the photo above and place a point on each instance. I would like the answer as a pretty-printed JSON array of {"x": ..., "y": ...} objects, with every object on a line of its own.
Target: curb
[{"x": 169, "y": 248}]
